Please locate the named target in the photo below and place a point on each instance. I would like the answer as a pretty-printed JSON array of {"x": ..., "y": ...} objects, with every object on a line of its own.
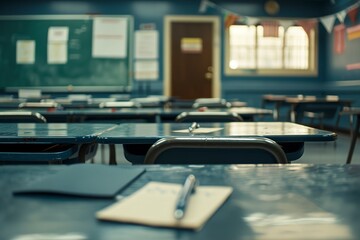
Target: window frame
[{"x": 311, "y": 71}]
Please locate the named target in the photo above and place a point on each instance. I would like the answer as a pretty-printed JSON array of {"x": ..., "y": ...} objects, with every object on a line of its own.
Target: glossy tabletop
[
  {"x": 51, "y": 132},
  {"x": 148, "y": 133},
  {"x": 148, "y": 114},
  {"x": 268, "y": 202}
]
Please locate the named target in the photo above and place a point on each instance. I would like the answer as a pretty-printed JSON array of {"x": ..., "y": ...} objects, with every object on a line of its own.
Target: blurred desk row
[
  {"x": 24, "y": 138},
  {"x": 85, "y": 101},
  {"x": 116, "y": 115},
  {"x": 301, "y": 107}
]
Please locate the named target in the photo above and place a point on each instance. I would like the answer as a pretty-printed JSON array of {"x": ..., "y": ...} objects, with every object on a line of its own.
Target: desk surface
[
  {"x": 51, "y": 132},
  {"x": 148, "y": 133},
  {"x": 283, "y": 202},
  {"x": 152, "y": 111}
]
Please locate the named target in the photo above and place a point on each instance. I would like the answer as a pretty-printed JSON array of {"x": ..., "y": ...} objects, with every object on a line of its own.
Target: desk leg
[
  {"x": 354, "y": 136},
  {"x": 112, "y": 151},
  {"x": 293, "y": 114},
  {"x": 276, "y": 114}
]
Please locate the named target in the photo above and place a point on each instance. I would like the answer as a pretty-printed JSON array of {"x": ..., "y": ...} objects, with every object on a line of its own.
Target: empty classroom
[{"x": 170, "y": 119}]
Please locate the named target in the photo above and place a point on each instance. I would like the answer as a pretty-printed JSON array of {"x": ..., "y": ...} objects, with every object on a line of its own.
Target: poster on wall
[
  {"x": 109, "y": 37},
  {"x": 25, "y": 52},
  {"x": 191, "y": 45},
  {"x": 57, "y": 45},
  {"x": 146, "y": 70},
  {"x": 146, "y": 44},
  {"x": 353, "y": 32}
]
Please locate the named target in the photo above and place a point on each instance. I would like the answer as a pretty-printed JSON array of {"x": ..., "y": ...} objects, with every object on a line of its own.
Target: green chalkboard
[{"x": 81, "y": 69}]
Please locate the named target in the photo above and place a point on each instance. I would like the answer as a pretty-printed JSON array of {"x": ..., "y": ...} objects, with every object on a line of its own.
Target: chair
[
  {"x": 49, "y": 106},
  {"x": 119, "y": 104},
  {"x": 245, "y": 150},
  {"x": 320, "y": 111},
  {"x": 148, "y": 101},
  {"x": 211, "y": 103},
  {"x": 208, "y": 117},
  {"x": 22, "y": 117}
]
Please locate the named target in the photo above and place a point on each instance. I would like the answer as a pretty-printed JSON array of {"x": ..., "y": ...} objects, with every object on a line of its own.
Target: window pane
[
  {"x": 242, "y": 46},
  {"x": 297, "y": 48},
  {"x": 277, "y": 51},
  {"x": 270, "y": 49}
]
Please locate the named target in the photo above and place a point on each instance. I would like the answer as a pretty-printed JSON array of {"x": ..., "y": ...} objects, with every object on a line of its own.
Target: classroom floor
[{"x": 315, "y": 152}]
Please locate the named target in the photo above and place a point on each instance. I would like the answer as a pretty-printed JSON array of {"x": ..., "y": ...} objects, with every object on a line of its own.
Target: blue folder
[{"x": 84, "y": 180}]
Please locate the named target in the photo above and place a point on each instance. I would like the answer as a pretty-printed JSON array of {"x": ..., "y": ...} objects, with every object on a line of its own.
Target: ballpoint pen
[
  {"x": 193, "y": 126},
  {"x": 187, "y": 189}
]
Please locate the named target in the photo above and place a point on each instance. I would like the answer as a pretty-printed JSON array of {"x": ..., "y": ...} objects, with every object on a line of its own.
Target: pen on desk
[
  {"x": 187, "y": 189},
  {"x": 193, "y": 126}
]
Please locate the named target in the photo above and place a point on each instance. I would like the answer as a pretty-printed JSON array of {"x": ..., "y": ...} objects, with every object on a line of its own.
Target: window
[{"x": 287, "y": 52}]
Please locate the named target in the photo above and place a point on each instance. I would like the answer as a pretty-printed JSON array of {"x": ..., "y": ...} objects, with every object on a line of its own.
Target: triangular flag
[
  {"x": 252, "y": 20},
  {"x": 271, "y": 28},
  {"x": 328, "y": 22},
  {"x": 230, "y": 19},
  {"x": 286, "y": 23},
  {"x": 203, "y": 6},
  {"x": 352, "y": 13},
  {"x": 307, "y": 25},
  {"x": 341, "y": 16}
]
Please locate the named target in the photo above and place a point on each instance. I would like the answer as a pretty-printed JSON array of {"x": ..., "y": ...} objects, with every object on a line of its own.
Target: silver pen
[
  {"x": 183, "y": 200},
  {"x": 194, "y": 126}
]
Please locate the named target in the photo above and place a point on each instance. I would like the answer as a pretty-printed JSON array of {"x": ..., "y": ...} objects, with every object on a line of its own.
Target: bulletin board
[{"x": 28, "y": 56}]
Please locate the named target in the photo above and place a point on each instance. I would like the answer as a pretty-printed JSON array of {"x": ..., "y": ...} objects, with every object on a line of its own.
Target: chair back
[
  {"x": 22, "y": 117},
  {"x": 119, "y": 104},
  {"x": 211, "y": 103},
  {"x": 203, "y": 150}
]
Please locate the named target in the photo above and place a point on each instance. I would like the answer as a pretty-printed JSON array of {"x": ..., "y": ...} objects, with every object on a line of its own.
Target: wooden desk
[
  {"x": 268, "y": 202},
  {"x": 277, "y": 100},
  {"x": 145, "y": 114},
  {"x": 103, "y": 115},
  {"x": 290, "y": 135},
  {"x": 294, "y": 101},
  {"x": 247, "y": 113},
  {"x": 313, "y": 101},
  {"x": 28, "y": 142},
  {"x": 354, "y": 132}
]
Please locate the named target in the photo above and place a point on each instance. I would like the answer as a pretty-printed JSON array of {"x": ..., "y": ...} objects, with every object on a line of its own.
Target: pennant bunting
[
  {"x": 352, "y": 13},
  {"x": 339, "y": 38},
  {"x": 341, "y": 16},
  {"x": 307, "y": 25},
  {"x": 353, "y": 32},
  {"x": 328, "y": 22},
  {"x": 271, "y": 28}
]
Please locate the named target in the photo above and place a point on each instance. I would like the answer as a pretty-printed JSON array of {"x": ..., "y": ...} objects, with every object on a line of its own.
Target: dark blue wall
[{"x": 250, "y": 89}]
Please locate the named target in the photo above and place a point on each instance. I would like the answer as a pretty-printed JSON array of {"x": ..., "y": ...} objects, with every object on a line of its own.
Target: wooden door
[{"x": 191, "y": 60}]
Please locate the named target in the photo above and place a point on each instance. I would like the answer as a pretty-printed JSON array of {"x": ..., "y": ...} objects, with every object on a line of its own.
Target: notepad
[
  {"x": 154, "y": 205},
  {"x": 85, "y": 180}
]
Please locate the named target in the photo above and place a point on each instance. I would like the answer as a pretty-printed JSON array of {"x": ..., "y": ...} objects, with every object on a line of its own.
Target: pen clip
[{"x": 193, "y": 126}]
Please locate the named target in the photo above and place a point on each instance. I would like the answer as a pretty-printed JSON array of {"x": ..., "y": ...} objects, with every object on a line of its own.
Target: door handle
[{"x": 208, "y": 75}]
